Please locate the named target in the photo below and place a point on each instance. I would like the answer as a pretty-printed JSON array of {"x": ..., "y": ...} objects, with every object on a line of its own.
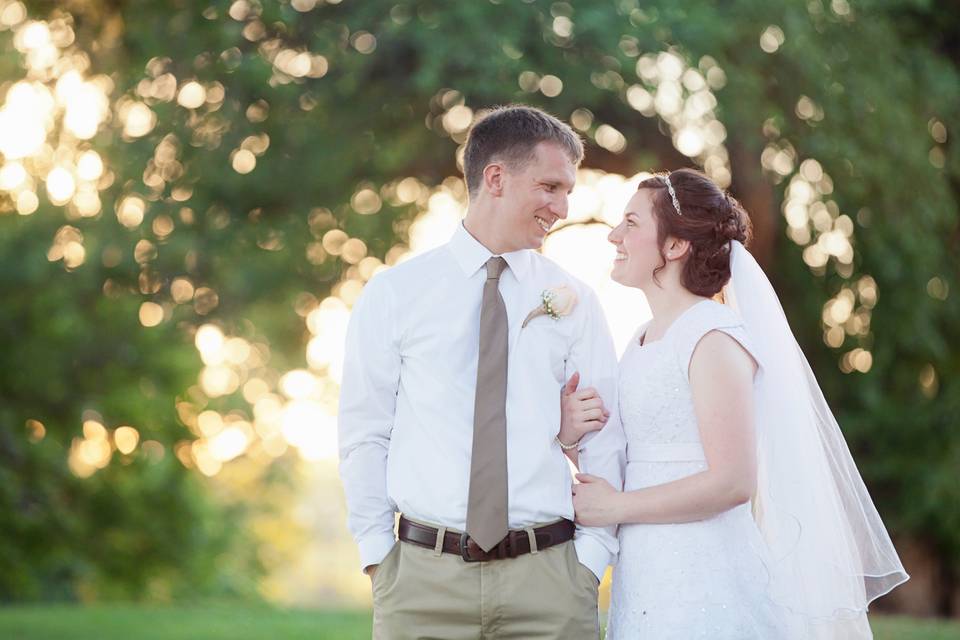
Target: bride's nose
[{"x": 613, "y": 237}]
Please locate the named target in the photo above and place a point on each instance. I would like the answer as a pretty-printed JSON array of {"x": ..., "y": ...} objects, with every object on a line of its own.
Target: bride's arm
[
  {"x": 581, "y": 412},
  {"x": 721, "y": 382}
]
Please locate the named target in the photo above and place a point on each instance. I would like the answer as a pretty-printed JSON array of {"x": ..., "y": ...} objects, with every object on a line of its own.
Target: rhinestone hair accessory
[{"x": 673, "y": 194}]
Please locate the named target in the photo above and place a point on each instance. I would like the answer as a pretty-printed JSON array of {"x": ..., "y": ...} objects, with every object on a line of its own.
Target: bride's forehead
[
  {"x": 641, "y": 201},
  {"x": 639, "y": 206}
]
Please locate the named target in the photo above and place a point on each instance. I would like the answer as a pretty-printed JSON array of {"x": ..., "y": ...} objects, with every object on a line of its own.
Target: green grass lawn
[{"x": 255, "y": 622}]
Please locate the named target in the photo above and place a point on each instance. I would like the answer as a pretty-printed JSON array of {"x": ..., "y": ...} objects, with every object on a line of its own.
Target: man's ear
[
  {"x": 676, "y": 248},
  {"x": 493, "y": 175}
]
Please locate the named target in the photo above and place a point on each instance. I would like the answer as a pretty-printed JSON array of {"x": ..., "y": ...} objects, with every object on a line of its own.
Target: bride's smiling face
[{"x": 638, "y": 250}]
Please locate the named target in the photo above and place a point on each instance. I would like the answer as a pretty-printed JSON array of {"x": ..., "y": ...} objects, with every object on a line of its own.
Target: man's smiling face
[{"x": 535, "y": 195}]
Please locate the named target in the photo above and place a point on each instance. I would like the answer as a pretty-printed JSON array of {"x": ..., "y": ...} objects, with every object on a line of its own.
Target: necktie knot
[{"x": 495, "y": 267}]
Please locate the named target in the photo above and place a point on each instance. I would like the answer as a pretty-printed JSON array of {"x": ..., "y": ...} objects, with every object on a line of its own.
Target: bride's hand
[
  {"x": 595, "y": 502},
  {"x": 581, "y": 411}
]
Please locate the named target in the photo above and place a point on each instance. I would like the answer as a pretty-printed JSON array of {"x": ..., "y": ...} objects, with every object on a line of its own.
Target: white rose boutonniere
[{"x": 556, "y": 302}]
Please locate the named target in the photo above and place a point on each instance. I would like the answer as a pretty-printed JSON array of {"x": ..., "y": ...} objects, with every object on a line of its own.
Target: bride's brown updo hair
[{"x": 710, "y": 219}]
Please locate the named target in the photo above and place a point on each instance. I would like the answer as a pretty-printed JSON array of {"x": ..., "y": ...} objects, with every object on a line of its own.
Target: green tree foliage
[{"x": 865, "y": 91}]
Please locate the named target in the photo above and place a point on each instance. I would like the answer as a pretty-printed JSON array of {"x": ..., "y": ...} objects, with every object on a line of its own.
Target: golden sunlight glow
[
  {"x": 25, "y": 118},
  {"x": 89, "y": 165},
  {"x": 366, "y": 201},
  {"x": 91, "y": 452},
  {"x": 311, "y": 428},
  {"x": 231, "y": 442},
  {"x": 210, "y": 423},
  {"x": 138, "y": 119},
  {"x": 210, "y": 341},
  {"x": 151, "y": 314},
  {"x": 814, "y": 221},
  {"x": 243, "y": 161},
  {"x": 126, "y": 439},
  {"x": 12, "y": 14},
  {"x": 53, "y": 99},
  {"x": 27, "y": 202},
  {"x": 36, "y": 429},
  {"x": 219, "y": 380},
  {"x": 610, "y": 139},
  {"x": 60, "y": 185},
  {"x": 772, "y": 38},
  {"x": 192, "y": 95},
  {"x": 130, "y": 211},
  {"x": 86, "y": 104},
  {"x": 682, "y": 96},
  {"x": 299, "y": 384},
  {"x": 12, "y": 175},
  {"x": 929, "y": 381},
  {"x": 459, "y": 118},
  {"x": 181, "y": 290},
  {"x": 67, "y": 246}
]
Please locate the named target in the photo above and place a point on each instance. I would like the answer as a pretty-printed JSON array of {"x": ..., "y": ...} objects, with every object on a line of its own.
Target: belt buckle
[{"x": 464, "y": 552}]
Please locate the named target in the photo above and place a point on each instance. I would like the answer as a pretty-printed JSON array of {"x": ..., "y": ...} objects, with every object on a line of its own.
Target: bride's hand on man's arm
[
  {"x": 581, "y": 411},
  {"x": 596, "y": 502}
]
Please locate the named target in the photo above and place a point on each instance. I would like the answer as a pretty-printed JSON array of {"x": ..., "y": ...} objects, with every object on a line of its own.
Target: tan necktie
[{"x": 487, "y": 503}]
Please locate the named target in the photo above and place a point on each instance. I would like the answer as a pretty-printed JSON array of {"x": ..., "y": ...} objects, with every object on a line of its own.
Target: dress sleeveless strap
[{"x": 705, "y": 317}]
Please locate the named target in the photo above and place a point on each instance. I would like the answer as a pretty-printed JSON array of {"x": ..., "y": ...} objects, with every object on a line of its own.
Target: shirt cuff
[
  {"x": 592, "y": 554},
  {"x": 375, "y": 547}
]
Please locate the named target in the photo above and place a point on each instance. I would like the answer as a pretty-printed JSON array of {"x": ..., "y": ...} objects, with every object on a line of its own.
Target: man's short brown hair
[{"x": 509, "y": 134}]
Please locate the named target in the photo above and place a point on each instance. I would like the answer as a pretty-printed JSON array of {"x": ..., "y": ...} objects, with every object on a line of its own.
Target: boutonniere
[{"x": 556, "y": 302}]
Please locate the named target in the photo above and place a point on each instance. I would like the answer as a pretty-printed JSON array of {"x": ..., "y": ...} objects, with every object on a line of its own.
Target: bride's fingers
[
  {"x": 592, "y": 414},
  {"x": 586, "y": 394},
  {"x": 592, "y": 403}
]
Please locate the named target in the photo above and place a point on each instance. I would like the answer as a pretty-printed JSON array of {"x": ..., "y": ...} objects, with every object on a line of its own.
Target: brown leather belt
[{"x": 515, "y": 543}]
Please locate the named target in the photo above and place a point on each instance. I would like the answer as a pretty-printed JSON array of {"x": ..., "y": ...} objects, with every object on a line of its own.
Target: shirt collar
[{"x": 471, "y": 255}]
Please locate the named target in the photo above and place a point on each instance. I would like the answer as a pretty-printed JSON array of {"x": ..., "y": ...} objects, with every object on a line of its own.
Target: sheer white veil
[{"x": 830, "y": 554}]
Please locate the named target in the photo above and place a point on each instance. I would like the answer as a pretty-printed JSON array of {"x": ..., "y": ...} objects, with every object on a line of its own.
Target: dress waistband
[{"x": 671, "y": 452}]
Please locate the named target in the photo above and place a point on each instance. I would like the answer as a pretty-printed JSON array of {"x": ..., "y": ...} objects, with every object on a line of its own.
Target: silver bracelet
[{"x": 567, "y": 447}]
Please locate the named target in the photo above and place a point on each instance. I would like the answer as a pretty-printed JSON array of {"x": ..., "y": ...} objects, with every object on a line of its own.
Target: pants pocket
[{"x": 385, "y": 570}]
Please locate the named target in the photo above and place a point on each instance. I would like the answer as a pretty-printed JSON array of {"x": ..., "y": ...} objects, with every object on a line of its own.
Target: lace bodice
[{"x": 655, "y": 402}]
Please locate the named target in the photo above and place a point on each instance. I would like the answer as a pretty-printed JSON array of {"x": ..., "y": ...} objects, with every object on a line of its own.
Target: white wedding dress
[{"x": 704, "y": 579}]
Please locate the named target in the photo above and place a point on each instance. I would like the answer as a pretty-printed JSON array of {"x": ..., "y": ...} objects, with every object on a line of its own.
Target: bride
[{"x": 743, "y": 514}]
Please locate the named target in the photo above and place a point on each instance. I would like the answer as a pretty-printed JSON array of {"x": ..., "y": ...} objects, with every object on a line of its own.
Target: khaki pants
[{"x": 422, "y": 594}]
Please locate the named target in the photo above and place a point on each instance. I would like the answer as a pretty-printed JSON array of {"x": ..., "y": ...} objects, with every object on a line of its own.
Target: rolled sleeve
[
  {"x": 592, "y": 553},
  {"x": 374, "y": 547}
]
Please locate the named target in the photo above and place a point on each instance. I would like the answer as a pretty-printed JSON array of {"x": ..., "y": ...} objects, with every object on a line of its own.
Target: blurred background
[{"x": 193, "y": 194}]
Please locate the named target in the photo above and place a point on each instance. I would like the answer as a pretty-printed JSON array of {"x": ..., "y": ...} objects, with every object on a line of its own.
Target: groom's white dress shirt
[{"x": 407, "y": 397}]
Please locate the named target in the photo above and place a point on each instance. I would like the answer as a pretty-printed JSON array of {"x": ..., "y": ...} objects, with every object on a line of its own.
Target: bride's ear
[{"x": 675, "y": 248}]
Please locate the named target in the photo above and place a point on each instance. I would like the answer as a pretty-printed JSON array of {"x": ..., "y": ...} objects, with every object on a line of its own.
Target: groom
[{"x": 450, "y": 408}]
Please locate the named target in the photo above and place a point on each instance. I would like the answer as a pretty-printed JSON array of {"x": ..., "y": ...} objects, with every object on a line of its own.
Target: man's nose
[{"x": 560, "y": 207}]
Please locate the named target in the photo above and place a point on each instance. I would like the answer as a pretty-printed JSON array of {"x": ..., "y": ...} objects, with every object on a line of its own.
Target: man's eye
[
  {"x": 630, "y": 223},
  {"x": 550, "y": 187}
]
